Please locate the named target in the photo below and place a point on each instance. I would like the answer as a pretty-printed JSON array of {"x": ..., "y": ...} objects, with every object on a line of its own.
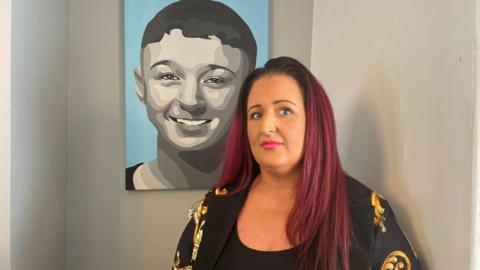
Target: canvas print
[{"x": 185, "y": 62}]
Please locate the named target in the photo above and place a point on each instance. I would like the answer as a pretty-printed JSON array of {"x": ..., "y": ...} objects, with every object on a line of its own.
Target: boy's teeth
[{"x": 191, "y": 122}]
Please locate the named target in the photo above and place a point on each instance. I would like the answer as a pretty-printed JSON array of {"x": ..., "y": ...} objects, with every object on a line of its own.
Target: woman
[{"x": 284, "y": 201}]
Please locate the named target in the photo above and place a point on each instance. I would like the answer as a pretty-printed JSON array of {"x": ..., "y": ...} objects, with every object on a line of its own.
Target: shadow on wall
[{"x": 375, "y": 151}]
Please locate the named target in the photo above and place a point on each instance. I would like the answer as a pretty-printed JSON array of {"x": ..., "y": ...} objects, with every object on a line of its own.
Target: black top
[{"x": 236, "y": 256}]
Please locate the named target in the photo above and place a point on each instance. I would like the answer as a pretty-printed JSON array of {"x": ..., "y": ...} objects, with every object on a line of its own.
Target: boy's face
[{"x": 190, "y": 87}]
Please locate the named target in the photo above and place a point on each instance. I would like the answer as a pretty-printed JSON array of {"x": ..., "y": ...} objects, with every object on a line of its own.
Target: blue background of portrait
[{"x": 140, "y": 134}]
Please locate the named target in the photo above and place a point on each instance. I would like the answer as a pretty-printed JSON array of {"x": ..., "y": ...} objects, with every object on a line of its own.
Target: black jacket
[{"x": 379, "y": 242}]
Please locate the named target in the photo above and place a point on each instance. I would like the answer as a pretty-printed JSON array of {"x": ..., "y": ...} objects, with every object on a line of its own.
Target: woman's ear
[{"x": 139, "y": 84}]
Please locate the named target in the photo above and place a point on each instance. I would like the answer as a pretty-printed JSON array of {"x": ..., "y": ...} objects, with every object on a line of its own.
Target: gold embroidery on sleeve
[
  {"x": 221, "y": 192},
  {"x": 397, "y": 260},
  {"x": 379, "y": 219},
  {"x": 176, "y": 263},
  {"x": 198, "y": 233}
]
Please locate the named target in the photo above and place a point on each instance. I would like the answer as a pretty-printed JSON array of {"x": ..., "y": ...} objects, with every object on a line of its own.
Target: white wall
[
  {"x": 108, "y": 227},
  {"x": 5, "y": 40},
  {"x": 475, "y": 243},
  {"x": 39, "y": 133},
  {"x": 400, "y": 76}
]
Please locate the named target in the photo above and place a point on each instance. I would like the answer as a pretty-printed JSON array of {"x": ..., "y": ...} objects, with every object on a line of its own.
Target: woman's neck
[{"x": 271, "y": 183}]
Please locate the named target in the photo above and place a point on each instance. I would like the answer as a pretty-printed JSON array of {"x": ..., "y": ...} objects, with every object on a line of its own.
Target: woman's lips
[{"x": 270, "y": 144}]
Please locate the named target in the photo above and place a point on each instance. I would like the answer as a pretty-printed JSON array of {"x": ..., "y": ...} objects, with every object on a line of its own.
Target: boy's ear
[{"x": 139, "y": 84}]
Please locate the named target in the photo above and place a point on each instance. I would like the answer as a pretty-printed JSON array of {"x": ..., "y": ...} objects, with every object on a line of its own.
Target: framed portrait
[{"x": 185, "y": 62}]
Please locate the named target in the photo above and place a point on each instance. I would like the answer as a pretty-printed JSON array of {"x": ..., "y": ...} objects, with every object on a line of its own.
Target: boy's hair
[{"x": 203, "y": 18}]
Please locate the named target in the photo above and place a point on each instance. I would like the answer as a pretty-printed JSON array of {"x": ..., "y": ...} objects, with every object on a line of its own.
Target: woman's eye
[
  {"x": 168, "y": 77},
  {"x": 285, "y": 111},
  {"x": 214, "y": 80},
  {"x": 255, "y": 115}
]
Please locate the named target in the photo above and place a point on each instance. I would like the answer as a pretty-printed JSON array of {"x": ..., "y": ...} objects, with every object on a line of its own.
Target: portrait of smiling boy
[{"x": 194, "y": 56}]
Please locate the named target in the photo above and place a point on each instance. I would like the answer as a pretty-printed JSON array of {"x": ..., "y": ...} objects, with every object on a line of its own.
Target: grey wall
[
  {"x": 108, "y": 227},
  {"x": 291, "y": 29},
  {"x": 39, "y": 93},
  {"x": 401, "y": 78},
  {"x": 5, "y": 109}
]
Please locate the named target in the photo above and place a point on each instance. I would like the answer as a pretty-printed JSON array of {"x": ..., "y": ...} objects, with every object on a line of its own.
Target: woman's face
[
  {"x": 276, "y": 122},
  {"x": 192, "y": 86}
]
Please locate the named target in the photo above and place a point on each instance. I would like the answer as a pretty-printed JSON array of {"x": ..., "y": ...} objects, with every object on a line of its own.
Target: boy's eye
[
  {"x": 214, "y": 80},
  {"x": 168, "y": 77}
]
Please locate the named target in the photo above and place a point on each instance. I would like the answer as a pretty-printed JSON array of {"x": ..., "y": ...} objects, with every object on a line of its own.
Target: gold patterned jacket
[{"x": 379, "y": 242}]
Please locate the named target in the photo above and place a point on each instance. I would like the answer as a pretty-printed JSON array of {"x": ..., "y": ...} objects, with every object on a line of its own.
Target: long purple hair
[{"x": 319, "y": 222}]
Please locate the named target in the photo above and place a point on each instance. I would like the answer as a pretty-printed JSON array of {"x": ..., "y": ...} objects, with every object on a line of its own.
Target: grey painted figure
[{"x": 195, "y": 55}]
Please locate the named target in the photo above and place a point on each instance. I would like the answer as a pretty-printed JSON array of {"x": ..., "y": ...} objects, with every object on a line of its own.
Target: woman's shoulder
[
  {"x": 356, "y": 190},
  {"x": 377, "y": 230},
  {"x": 210, "y": 196},
  {"x": 368, "y": 206}
]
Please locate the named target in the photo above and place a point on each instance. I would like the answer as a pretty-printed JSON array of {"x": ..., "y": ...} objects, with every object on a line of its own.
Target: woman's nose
[
  {"x": 190, "y": 98},
  {"x": 268, "y": 127}
]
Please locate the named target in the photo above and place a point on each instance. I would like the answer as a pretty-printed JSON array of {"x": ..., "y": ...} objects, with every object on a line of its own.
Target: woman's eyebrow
[
  {"x": 254, "y": 106},
  {"x": 284, "y": 100},
  {"x": 274, "y": 102}
]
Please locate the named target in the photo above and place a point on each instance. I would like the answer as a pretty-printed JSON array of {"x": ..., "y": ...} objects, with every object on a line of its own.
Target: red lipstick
[{"x": 270, "y": 144}]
